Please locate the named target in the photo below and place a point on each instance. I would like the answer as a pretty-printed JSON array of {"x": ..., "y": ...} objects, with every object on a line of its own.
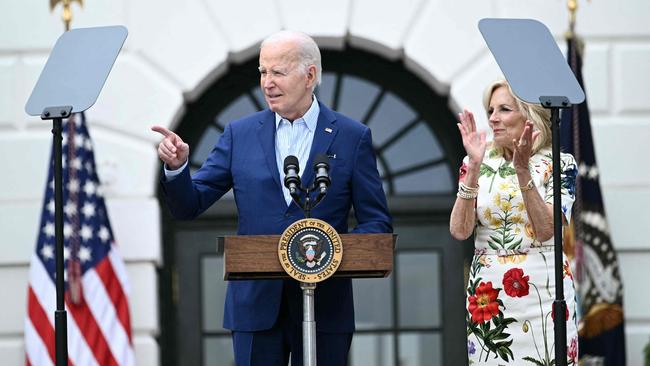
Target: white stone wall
[{"x": 176, "y": 48}]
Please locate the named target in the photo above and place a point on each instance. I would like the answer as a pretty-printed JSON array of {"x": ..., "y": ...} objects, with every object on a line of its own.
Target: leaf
[
  {"x": 501, "y": 336},
  {"x": 505, "y": 171},
  {"x": 515, "y": 244},
  {"x": 504, "y": 353},
  {"x": 486, "y": 327},
  {"x": 534, "y": 361},
  {"x": 496, "y": 239},
  {"x": 506, "y": 344},
  {"x": 486, "y": 170}
]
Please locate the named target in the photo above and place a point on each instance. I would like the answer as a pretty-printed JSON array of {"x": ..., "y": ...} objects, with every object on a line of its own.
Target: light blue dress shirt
[{"x": 295, "y": 138}]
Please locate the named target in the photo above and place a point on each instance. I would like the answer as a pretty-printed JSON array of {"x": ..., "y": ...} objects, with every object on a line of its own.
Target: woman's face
[{"x": 506, "y": 120}]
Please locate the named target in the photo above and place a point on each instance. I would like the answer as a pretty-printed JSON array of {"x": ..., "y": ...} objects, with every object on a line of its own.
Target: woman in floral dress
[{"x": 505, "y": 197}]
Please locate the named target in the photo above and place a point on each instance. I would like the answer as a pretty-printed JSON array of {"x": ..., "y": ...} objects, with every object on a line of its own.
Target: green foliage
[{"x": 646, "y": 350}]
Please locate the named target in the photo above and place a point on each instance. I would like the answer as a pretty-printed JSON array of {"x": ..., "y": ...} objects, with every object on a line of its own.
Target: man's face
[{"x": 287, "y": 87}]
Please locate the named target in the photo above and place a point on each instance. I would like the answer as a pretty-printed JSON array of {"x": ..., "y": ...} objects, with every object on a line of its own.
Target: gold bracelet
[
  {"x": 467, "y": 193},
  {"x": 530, "y": 185},
  {"x": 465, "y": 188},
  {"x": 466, "y": 196}
]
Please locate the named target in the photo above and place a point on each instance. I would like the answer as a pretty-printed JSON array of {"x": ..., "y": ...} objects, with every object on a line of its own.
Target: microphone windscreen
[
  {"x": 291, "y": 160},
  {"x": 321, "y": 159}
]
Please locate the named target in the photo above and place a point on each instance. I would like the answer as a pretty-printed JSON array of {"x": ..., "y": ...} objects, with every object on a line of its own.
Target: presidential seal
[{"x": 310, "y": 250}]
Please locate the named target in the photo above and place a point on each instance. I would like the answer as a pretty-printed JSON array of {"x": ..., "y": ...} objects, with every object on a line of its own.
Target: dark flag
[
  {"x": 96, "y": 294},
  {"x": 597, "y": 278}
]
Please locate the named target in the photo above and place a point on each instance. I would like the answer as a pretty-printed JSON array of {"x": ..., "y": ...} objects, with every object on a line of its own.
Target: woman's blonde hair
[{"x": 540, "y": 116}]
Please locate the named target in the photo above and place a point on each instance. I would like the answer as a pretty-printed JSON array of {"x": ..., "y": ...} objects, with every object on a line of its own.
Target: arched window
[{"x": 418, "y": 152}]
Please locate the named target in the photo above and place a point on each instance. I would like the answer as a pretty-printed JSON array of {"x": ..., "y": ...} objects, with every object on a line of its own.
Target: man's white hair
[{"x": 307, "y": 52}]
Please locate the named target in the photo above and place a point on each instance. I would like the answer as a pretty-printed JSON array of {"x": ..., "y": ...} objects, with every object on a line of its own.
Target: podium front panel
[{"x": 249, "y": 257}]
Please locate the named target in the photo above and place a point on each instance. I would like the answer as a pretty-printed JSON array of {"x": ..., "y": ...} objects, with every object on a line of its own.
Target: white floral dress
[{"x": 511, "y": 285}]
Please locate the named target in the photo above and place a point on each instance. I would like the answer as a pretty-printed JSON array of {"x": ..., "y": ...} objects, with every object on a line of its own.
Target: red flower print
[
  {"x": 483, "y": 304},
  {"x": 515, "y": 283},
  {"x": 462, "y": 172},
  {"x": 572, "y": 350}
]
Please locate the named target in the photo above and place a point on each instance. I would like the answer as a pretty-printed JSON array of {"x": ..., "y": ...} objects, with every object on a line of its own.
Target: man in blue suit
[{"x": 265, "y": 316}]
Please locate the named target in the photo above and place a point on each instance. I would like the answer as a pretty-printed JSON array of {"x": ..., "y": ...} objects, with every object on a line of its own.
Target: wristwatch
[{"x": 530, "y": 185}]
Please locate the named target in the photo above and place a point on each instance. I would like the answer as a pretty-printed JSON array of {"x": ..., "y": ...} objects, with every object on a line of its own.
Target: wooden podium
[{"x": 255, "y": 257}]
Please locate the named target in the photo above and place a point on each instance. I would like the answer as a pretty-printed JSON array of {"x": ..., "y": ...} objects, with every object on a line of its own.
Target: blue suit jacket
[{"x": 244, "y": 160}]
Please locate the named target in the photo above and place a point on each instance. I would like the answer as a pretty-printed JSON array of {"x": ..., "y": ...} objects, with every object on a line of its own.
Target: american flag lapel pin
[{"x": 328, "y": 130}]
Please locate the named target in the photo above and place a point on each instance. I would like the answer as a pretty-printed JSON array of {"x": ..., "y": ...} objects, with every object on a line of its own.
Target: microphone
[
  {"x": 321, "y": 168},
  {"x": 291, "y": 170}
]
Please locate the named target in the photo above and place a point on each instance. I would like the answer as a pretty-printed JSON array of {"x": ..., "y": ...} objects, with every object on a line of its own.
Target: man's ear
[{"x": 311, "y": 75}]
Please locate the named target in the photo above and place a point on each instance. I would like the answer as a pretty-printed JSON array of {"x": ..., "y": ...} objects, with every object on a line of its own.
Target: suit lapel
[
  {"x": 323, "y": 136},
  {"x": 266, "y": 135}
]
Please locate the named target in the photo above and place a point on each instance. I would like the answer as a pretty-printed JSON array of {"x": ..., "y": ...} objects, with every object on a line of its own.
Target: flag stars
[
  {"x": 79, "y": 141},
  {"x": 47, "y": 252},
  {"x": 588, "y": 171},
  {"x": 48, "y": 229},
  {"x": 51, "y": 207},
  {"x": 67, "y": 230},
  {"x": 70, "y": 209},
  {"x": 77, "y": 164},
  {"x": 90, "y": 188},
  {"x": 66, "y": 253},
  {"x": 85, "y": 254},
  {"x": 86, "y": 233},
  {"x": 104, "y": 235},
  {"x": 73, "y": 186},
  {"x": 88, "y": 210}
]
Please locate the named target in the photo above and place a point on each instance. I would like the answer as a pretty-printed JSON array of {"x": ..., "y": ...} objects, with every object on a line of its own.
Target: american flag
[{"x": 96, "y": 296}]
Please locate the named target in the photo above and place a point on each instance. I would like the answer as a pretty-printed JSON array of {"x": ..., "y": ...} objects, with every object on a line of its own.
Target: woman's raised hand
[
  {"x": 473, "y": 141},
  {"x": 522, "y": 149}
]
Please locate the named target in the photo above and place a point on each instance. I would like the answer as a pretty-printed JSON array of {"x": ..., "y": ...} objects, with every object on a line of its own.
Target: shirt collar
[{"x": 310, "y": 117}]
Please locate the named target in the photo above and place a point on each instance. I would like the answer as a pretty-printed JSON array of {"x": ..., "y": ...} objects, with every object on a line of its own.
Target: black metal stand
[
  {"x": 56, "y": 114},
  {"x": 308, "y": 289},
  {"x": 309, "y": 204},
  {"x": 559, "y": 305}
]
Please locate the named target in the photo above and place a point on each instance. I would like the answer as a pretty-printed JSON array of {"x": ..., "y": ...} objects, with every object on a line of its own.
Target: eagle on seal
[{"x": 310, "y": 249}]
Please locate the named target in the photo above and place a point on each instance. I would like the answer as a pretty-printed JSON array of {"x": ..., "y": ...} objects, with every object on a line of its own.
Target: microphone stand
[{"x": 308, "y": 289}]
